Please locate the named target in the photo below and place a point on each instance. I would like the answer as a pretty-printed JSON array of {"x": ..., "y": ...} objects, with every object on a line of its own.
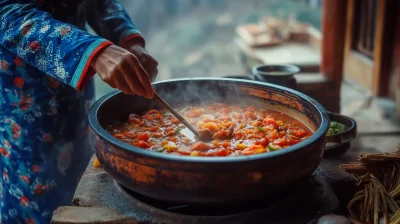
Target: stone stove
[{"x": 99, "y": 199}]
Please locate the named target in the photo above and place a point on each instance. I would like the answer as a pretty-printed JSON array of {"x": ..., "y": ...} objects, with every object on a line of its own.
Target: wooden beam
[
  {"x": 385, "y": 27},
  {"x": 333, "y": 39}
]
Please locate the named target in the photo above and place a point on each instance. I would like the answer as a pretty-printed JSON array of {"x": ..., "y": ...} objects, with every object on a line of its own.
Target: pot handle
[{"x": 350, "y": 132}]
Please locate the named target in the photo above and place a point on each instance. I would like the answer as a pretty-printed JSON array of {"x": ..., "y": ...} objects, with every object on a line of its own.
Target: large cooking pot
[{"x": 186, "y": 179}]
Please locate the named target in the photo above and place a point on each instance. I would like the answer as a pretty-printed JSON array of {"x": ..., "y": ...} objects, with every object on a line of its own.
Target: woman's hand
[
  {"x": 123, "y": 70},
  {"x": 136, "y": 47}
]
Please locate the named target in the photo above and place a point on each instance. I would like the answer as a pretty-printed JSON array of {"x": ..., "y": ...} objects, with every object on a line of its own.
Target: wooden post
[{"x": 333, "y": 39}]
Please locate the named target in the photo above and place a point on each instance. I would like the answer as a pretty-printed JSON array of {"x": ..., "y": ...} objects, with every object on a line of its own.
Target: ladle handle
[{"x": 177, "y": 115}]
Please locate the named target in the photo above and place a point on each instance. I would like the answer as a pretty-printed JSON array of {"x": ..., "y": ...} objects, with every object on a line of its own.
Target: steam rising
[{"x": 199, "y": 92}]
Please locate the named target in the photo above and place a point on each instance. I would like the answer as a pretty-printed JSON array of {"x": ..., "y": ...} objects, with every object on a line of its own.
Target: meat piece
[
  {"x": 205, "y": 134},
  {"x": 199, "y": 146},
  {"x": 221, "y": 135}
]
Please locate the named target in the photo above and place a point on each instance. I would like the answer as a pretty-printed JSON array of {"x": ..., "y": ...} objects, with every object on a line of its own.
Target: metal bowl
[{"x": 197, "y": 180}]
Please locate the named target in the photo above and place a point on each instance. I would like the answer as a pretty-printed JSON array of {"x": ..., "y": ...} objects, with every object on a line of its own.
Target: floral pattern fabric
[{"x": 45, "y": 95}]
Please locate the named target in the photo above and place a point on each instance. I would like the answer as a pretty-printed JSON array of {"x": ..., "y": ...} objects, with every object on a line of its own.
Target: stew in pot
[{"x": 236, "y": 130}]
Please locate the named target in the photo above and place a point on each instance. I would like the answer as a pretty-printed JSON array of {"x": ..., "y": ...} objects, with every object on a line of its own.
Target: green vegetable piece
[
  {"x": 160, "y": 149},
  {"x": 335, "y": 128},
  {"x": 273, "y": 147},
  {"x": 177, "y": 130},
  {"x": 261, "y": 129}
]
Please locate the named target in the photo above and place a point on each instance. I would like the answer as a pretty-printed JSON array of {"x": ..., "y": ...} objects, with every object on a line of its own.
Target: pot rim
[{"x": 318, "y": 134}]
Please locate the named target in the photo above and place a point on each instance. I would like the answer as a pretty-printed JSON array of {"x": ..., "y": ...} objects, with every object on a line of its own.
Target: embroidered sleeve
[
  {"x": 55, "y": 48},
  {"x": 110, "y": 20}
]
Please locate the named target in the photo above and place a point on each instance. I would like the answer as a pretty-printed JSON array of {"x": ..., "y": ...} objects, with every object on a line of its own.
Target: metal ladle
[{"x": 177, "y": 115}]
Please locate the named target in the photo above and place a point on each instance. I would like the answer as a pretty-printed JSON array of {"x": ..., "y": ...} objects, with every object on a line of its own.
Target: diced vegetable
[
  {"x": 264, "y": 142},
  {"x": 270, "y": 121},
  {"x": 222, "y": 152},
  {"x": 143, "y": 137},
  {"x": 229, "y": 130},
  {"x": 159, "y": 149},
  {"x": 170, "y": 146},
  {"x": 226, "y": 144},
  {"x": 251, "y": 115},
  {"x": 212, "y": 126},
  {"x": 280, "y": 142},
  {"x": 194, "y": 153},
  {"x": 96, "y": 162},
  {"x": 261, "y": 129},
  {"x": 118, "y": 135},
  {"x": 299, "y": 132},
  {"x": 241, "y": 146},
  {"x": 258, "y": 151},
  {"x": 141, "y": 144},
  {"x": 273, "y": 147},
  {"x": 335, "y": 128},
  {"x": 199, "y": 146},
  {"x": 177, "y": 130}
]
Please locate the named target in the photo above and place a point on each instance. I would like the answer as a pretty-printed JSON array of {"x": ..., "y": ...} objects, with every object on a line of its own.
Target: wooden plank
[
  {"x": 372, "y": 74},
  {"x": 356, "y": 66},
  {"x": 359, "y": 68}
]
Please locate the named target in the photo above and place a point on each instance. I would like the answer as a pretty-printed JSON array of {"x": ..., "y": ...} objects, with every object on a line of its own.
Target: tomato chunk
[
  {"x": 250, "y": 114},
  {"x": 226, "y": 144},
  {"x": 199, "y": 146},
  {"x": 143, "y": 137},
  {"x": 270, "y": 121},
  {"x": 264, "y": 142},
  {"x": 142, "y": 144},
  {"x": 299, "y": 133},
  {"x": 154, "y": 128},
  {"x": 223, "y": 134},
  {"x": 130, "y": 134},
  {"x": 222, "y": 152},
  {"x": 281, "y": 142}
]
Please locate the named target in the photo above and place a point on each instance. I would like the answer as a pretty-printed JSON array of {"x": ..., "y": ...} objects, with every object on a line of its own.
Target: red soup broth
[{"x": 236, "y": 130}]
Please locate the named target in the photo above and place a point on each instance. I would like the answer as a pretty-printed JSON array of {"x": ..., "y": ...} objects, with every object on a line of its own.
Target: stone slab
[
  {"x": 89, "y": 215},
  {"x": 327, "y": 191}
]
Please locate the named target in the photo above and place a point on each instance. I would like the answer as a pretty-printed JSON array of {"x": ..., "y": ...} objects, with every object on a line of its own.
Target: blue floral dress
[{"x": 45, "y": 95}]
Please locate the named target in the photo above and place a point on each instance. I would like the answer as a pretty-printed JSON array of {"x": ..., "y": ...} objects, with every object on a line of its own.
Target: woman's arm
[
  {"x": 110, "y": 20},
  {"x": 55, "y": 48}
]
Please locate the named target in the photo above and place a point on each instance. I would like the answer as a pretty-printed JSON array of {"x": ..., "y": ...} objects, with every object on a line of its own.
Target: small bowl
[
  {"x": 338, "y": 144},
  {"x": 279, "y": 74},
  {"x": 272, "y": 71}
]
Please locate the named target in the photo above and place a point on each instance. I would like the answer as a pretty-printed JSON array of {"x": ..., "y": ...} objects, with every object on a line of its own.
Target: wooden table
[{"x": 300, "y": 54}]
